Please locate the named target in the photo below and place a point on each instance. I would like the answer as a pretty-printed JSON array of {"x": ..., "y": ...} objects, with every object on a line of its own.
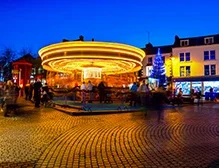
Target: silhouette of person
[
  {"x": 159, "y": 99},
  {"x": 101, "y": 90}
]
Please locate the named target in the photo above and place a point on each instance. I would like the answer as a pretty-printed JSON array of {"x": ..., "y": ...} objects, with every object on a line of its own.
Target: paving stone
[{"x": 44, "y": 137}]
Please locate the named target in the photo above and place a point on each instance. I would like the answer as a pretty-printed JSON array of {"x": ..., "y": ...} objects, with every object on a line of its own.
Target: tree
[
  {"x": 158, "y": 70},
  {"x": 7, "y": 56},
  {"x": 25, "y": 51}
]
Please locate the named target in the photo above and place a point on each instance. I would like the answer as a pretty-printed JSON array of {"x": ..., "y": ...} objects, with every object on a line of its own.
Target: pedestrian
[
  {"x": 37, "y": 92},
  {"x": 90, "y": 91},
  {"x": 101, "y": 90},
  {"x": 198, "y": 96},
  {"x": 31, "y": 91},
  {"x": 180, "y": 97},
  {"x": 83, "y": 93},
  {"x": 27, "y": 91},
  {"x": 159, "y": 99},
  {"x": 133, "y": 98}
]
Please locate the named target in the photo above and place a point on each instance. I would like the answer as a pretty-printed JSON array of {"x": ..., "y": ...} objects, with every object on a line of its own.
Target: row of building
[{"x": 191, "y": 63}]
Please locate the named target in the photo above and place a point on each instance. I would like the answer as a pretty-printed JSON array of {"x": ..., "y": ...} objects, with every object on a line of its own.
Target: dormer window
[
  {"x": 209, "y": 40},
  {"x": 184, "y": 43}
]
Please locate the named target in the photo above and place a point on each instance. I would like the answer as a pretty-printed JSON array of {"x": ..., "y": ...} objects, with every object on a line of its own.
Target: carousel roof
[{"x": 112, "y": 58}]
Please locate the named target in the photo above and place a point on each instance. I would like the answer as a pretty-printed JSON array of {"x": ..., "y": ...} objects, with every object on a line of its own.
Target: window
[
  {"x": 185, "y": 71},
  {"x": 210, "y": 69},
  {"x": 39, "y": 70},
  {"x": 149, "y": 60},
  {"x": 181, "y": 57},
  {"x": 212, "y": 55},
  {"x": 206, "y": 69},
  {"x": 213, "y": 70},
  {"x": 184, "y": 57},
  {"x": 182, "y": 71},
  {"x": 209, "y": 55},
  {"x": 187, "y": 56},
  {"x": 209, "y": 40},
  {"x": 33, "y": 71},
  {"x": 184, "y": 43}
]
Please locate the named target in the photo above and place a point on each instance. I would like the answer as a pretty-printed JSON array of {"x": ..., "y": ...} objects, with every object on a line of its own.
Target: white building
[{"x": 192, "y": 62}]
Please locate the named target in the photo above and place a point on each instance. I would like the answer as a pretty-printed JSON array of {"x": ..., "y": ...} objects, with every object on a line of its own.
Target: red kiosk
[{"x": 21, "y": 70}]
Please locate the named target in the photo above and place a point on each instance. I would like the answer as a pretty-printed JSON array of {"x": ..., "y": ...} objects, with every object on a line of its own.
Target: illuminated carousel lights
[
  {"x": 99, "y": 57},
  {"x": 82, "y": 55},
  {"x": 124, "y": 58},
  {"x": 91, "y": 46},
  {"x": 120, "y": 66}
]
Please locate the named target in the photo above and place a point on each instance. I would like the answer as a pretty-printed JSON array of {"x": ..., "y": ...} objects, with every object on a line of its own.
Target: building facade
[{"x": 191, "y": 63}]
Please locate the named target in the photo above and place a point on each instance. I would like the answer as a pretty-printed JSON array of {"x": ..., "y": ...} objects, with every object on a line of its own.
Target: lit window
[
  {"x": 206, "y": 69},
  {"x": 33, "y": 71},
  {"x": 185, "y": 71},
  {"x": 210, "y": 69},
  {"x": 182, "y": 71},
  {"x": 213, "y": 70},
  {"x": 39, "y": 70}
]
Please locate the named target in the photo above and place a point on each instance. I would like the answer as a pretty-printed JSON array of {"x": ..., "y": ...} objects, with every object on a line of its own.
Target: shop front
[{"x": 203, "y": 84}]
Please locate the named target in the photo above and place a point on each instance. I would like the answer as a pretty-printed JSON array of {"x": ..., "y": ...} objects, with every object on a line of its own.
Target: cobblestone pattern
[{"x": 188, "y": 137}]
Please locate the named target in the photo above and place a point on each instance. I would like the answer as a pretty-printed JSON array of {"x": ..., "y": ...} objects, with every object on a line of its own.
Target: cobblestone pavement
[{"x": 188, "y": 137}]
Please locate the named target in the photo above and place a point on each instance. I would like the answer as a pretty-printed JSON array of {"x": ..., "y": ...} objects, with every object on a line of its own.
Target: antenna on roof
[{"x": 148, "y": 36}]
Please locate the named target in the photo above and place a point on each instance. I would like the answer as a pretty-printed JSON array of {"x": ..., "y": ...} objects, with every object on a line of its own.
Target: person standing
[
  {"x": 31, "y": 91},
  {"x": 101, "y": 90},
  {"x": 133, "y": 89},
  {"x": 74, "y": 94},
  {"x": 90, "y": 91},
  {"x": 143, "y": 89},
  {"x": 83, "y": 93},
  {"x": 199, "y": 96},
  {"x": 37, "y": 92},
  {"x": 27, "y": 91},
  {"x": 180, "y": 97},
  {"x": 159, "y": 99}
]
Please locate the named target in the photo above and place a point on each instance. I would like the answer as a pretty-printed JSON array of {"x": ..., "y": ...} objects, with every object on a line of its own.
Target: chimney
[{"x": 81, "y": 38}]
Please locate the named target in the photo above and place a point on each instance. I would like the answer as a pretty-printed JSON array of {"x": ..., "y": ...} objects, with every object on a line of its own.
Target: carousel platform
[{"x": 78, "y": 108}]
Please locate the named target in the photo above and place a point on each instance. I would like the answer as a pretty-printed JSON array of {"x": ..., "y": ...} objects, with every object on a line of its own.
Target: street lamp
[
  {"x": 171, "y": 65},
  {"x": 171, "y": 71}
]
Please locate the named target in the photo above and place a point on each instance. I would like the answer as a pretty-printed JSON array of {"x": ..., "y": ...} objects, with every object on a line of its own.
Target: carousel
[{"x": 73, "y": 62}]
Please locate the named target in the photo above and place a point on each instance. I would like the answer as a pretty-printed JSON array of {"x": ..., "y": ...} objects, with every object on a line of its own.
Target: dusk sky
[{"x": 34, "y": 24}]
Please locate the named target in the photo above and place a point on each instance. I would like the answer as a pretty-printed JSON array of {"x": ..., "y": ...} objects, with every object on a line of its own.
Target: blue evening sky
[{"x": 34, "y": 24}]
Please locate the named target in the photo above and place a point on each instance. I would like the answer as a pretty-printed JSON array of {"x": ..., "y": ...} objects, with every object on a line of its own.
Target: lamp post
[
  {"x": 171, "y": 65},
  {"x": 171, "y": 72},
  {"x": 19, "y": 82}
]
